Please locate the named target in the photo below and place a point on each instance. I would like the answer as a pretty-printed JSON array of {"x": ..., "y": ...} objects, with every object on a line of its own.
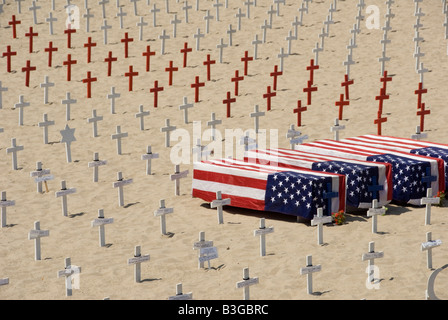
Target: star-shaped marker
[{"x": 68, "y": 136}]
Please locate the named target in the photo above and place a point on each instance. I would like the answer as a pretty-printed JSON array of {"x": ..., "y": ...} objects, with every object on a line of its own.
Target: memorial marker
[
  {"x": 14, "y": 149},
  {"x": 154, "y": 11},
  {"x": 95, "y": 164},
  {"x": 221, "y": 47},
  {"x": 46, "y": 84},
  {"x": 42, "y": 175},
  {"x": 63, "y": 193},
  {"x": 179, "y": 295},
  {"x": 185, "y": 108},
  {"x": 428, "y": 201},
  {"x": 217, "y": 5},
  {"x": 309, "y": 270},
  {"x": 336, "y": 128},
  {"x": 69, "y": 32},
  {"x": 239, "y": 15},
  {"x": 176, "y": 177},
  {"x": 237, "y": 79},
  {"x": 156, "y": 89},
  {"x": 120, "y": 183},
  {"x": 141, "y": 24},
  {"x": 185, "y": 51},
  {"x": 109, "y": 61},
  {"x": 120, "y": 15},
  {"x": 105, "y": 27},
  {"x": 118, "y": 135},
  {"x": 163, "y": 37},
  {"x": 207, "y": 19},
  {"x": 50, "y": 20},
  {"x": 136, "y": 261},
  {"x": 35, "y": 235},
  {"x": 162, "y": 212},
  {"x": 346, "y": 85},
  {"x": 256, "y": 114},
  {"x": 202, "y": 243},
  {"x": 27, "y": 69},
  {"x": 341, "y": 103},
  {"x": 245, "y": 283},
  {"x": 275, "y": 74},
  {"x": 68, "y": 102},
  {"x": 148, "y": 53},
  {"x": 126, "y": 41},
  {"x": 14, "y": 24},
  {"x": 320, "y": 220},
  {"x": 419, "y": 135},
  {"x": 8, "y": 54},
  {"x": 374, "y": 212},
  {"x": 88, "y": 15},
  {"x": 371, "y": 256},
  {"x": 3, "y": 205},
  {"x": 69, "y": 63},
  {"x": 100, "y": 222},
  {"x": 256, "y": 42},
  {"x": 196, "y": 85},
  {"x": 175, "y": 22},
  {"x": 69, "y": 272},
  {"x": 428, "y": 246},
  {"x": 141, "y": 114},
  {"x": 170, "y": 70},
  {"x": 207, "y": 254},
  {"x": 103, "y": 4},
  {"x": 148, "y": 156},
  {"x": 262, "y": 232},
  {"x": 246, "y": 60},
  {"x": 308, "y": 91},
  {"x": 34, "y": 8},
  {"x": 268, "y": 95},
  {"x": 112, "y": 96},
  {"x": 299, "y": 111},
  {"x": 212, "y": 123},
  {"x": 219, "y": 203},
  {"x": 186, "y": 7},
  {"x": 89, "y": 46},
  {"x": 20, "y": 105},
  {"x": 131, "y": 74},
  {"x": 89, "y": 79},
  {"x": 228, "y": 101}
]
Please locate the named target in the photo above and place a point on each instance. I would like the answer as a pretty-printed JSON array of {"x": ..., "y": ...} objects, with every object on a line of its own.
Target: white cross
[
  {"x": 289, "y": 38},
  {"x": 256, "y": 115},
  {"x": 212, "y": 123},
  {"x": 296, "y": 23},
  {"x": 100, "y": 223},
  {"x": 95, "y": 164},
  {"x": 185, "y": 107},
  {"x": 3, "y": 205},
  {"x": 221, "y": 46},
  {"x": 207, "y": 19},
  {"x": 42, "y": 175},
  {"x": 105, "y": 27},
  {"x": 383, "y": 61},
  {"x": 179, "y": 295},
  {"x": 35, "y": 235},
  {"x": 371, "y": 256},
  {"x": 248, "y": 3},
  {"x": 2, "y": 89},
  {"x": 302, "y": 9},
  {"x": 419, "y": 134},
  {"x": 186, "y": 7},
  {"x": 154, "y": 11},
  {"x": 167, "y": 6},
  {"x": 245, "y": 283},
  {"x": 45, "y": 124},
  {"x": 88, "y": 15},
  {"x": 282, "y": 55},
  {"x": 120, "y": 183},
  {"x": 50, "y": 20},
  {"x": 103, "y": 4},
  {"x": 230, "y": 32},
  {"x": 118, "y": 136},
  {"x": 112, "y": 96},
  {"x": 309, "y": 270},
  {"x": 141, "y": 114},
  {"x": 175, "y": 22},
  {"x": 163, "y": 37},
  {"x": 202, "y": 243},
  {"x": 239, "y": 15},
  {"x": 34, "y": 8},
  {"x": 262, "y": 232},
  {"x": 167, "y": 129},
  {"x": 14, "y": 149},
  {"x": 4, "y": 281},
  {"x": 121, "y": 14},
  {"x": 316, "y": 51},
  {"x": 200, "y": 151},
  {"x": 68, "y": 272},
  {"x": 162, "y": 212},
  {"x": 148, "y": 156},
  {"x": 320, "y": 220},
  {"x": 198, "y": 35},
  {"x": 264, "y": 27},
  {"x": 271, "y": 12},
  {"x": 19, "y": 5},
  {"x": 93, "y": 120},
  {"x": 428, "y": 201},
  {"x": 351, "y": 46},
  {"x": 219, "y": 203},
  {"x": 217, "y": 5},
  {"x": 141, "y": 24},
  {"x": 20, "y": 105},
  {"x": 374, "y": 212},
  {"x": 136, "y": 261},
  {"x": 256, "y": 42},
  {"x": 135, "y": 6},
  {"x": 422, "y": 71},
  {"x": 248, "y": 142},
  {"x": 322, "y": 35},
  {"x": 63, "y": 193},
  {"x": 46, "y": 84},
  {"x": 176, "y": 177},
  {"x": 348, "y": 63},
  {"x": 68, "y": 102},
  {"x": 428, "y": 246}
]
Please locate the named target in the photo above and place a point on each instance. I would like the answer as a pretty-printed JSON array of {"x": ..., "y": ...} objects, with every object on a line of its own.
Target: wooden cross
[
  {"x": 95, "y": 164},
  {"x": 135, "y": 6},
  {"x": 175, "y": 22},
  {"x": 50, "y": 51},
  {"x": 179, "y": 295},
  {"x": 121, "y": 14},
  {"x": 246, "y": 60},
  {"x": 69, "y": 63},
  {"x": 256, "y": 42},
  {"x": 271, "y": 12},
  {"x": 105, "y": 27},
  {"x": 118, "y": 136},
  {"x": 4, "y": 203},
  {"x": 248, "y": 3},
  {"x": 308, "y": 91},
  {"x": 170, "y": 71},
  {"x": 8, "y": 54},
  {"x": 419, "y": 135},
  {"x": 309, "y": 270},
  {"x": 156, "y": 89},
  {"x": 417, "y": 56},
  {"x": 88, "y": 15},
  {"x": 295, "y": 136},
  {"x": 112, "y": 96},
  {"x": 103, "y": 4},
  {"x": 148, "y": 53},
  {"x": 89, "y": 46},
  {"x": 212, "y": 123},
  {"x": 275, "y": 74},
  {"x": 245, "y": 283},
  {"x": 136, "y": 261},
  {"x": 109, "y": 61},
  {"x": 126, "y": 41},
  {"x": 2, "y": 89},
  {"x": 31, "y": 36},
  {"x": 208, "y": 63},
  {"x": 186, "y": 7},
  {"x": 311, "y": 69},
  {"x": 100, "y": 222},
  {"x": 14, "y": 24},
  {"x": 162, "y": 212},
  {"x": 176, "y": 177},
  {"x": 299, "y": 111},
  {"x": 93, "y": 120},
  {"x": 428, "y": 246},
  {"x": 336, "y": 128},
  {"x": 346, "y": 85},
  {"x": 202, "y": 243},
  {"x": 68, "y": 272},
  {"x": 35, "y": 235},
  {"x": 428, "y": 201},
  {"x": 217, "y": 5},
  {"x": 148, "y": 156},
  {"x": 239, "y": 15},
  {"x": 45, "y": 124},
  {"x": 185, "y": 51},
  {"x": 50, "y": 20},
  {"x": 89, "y": 81},
  {"x": 141, "y": 114},
  {"x": 34, "y": 8},
  {"x": 419, "y": 93},
  {"x": 320, "y": 220},
  {"x": 207, "y": 19},
  {"x": 46, "y": 84},
  {"x": 374, "y": 212},
  {"x": 68, "y": 102},
  {"x": 422, "y": 113},
  {"x": 383, "y": 59},
  {"x": 64, "y": 192},
  {"x": 379, "y": 121},
  {"x": 230, "y": 32},
  {"x": 228, "y": 101},
  {"x": 371, "y": 256},
  {"x": 20, "y": 105},
  {"x": 196, "y": 85},
  {"x": 120, "y": 183},
  {"x": 289, "y": 38},
  {"x": 256, "y": 114},
  {"x": 341, "y": 103},
  {"x": 262, "y": 231},
  {"x": 131, "y": 74},
  {"x": 154, "y": 11},
  {"x": 185, "y": 107},
  {"x": 167, "y": 129},
  {"x": 141, "y": 24},
  {"x": 163, "y": 37},
  {"x": 27, "y": 71},
  {"x": 268, "y": 95},
  {"x": 237, "y": 79},
  {"x": 221, "y": 47},
  {"x": 348, "y": 63},
  {"x": 422, "y": 71},
  {"x": 69, "y": 32}
]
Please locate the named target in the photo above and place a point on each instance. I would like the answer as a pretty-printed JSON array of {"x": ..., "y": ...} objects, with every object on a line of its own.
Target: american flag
[
  {"x": 424, "y": 148},
  {"x": 412, "y": 174},
  {"x": 365, "y": 180},
  {"x": 269, "y": 188}
]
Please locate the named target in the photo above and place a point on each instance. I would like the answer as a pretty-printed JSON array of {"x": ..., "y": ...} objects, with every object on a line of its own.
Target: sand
[{"x": 403, "y": 273}]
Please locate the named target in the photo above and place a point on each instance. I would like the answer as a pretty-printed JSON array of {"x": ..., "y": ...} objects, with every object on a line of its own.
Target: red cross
[
  {"x": 308, "y": 90},
  {"x": 170, "y": 69},
  {"x": 69, "y": 63},
  {"x": 299, "y": 111},
  {"x": 311, "y": 69},
  {"x": 346, "y": 84},
  {"x": 50, "y": 51},
  {"x": 109, "y": 61},
  {"x": 89, "y": 81},
  {"x": 8, "y": 54},
  {"x": 228, "y": 102},
  {"x": 268, "y": 95},
  {"x": 156, "y": 90},
  {"x": 341, "y": 103},
  {"x": 380, "y": 120},
  {"x": 131, "y": 74},
  {"x": 89, "y": 46},
  {"x": 69, "y": 32},
  {"x": 383, "y": 96},
  {"x": 31, "y": 35},
  {"x": 13, "y": 23},
  {"x": 126, "y": 41},
  {"x": 420, "y": 92},
  {"x": 237, "y": 79},
  {"x": 185, "y": 51},
  {"x": 275, "y": 74},
  {"x": 246, "y": 60},
  {"x": 196, "y": 85},
  {"x": 148, "y": 53},
  {"x": 207, "y": 63},
  {"x": 28, "y": 70},
  {"x": 385, "y": 79},
  {"x": 422, "y": 114}
]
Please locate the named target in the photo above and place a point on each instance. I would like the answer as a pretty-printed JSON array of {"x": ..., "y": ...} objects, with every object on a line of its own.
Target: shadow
[
  {"x": 108, "y": 245},
  {"x": 74, "y": 215},
  {"x": 149, "y": 280},
  {"x": 168, "y": 234},
  {"x": 48, "y": 258},
  {"x": 53, "y": 142},
  {"x": 10, "y": 225},
  {"x": 130, "y": 204},
  {"x": 221, "y": 266},
  {"x": 319, "y": 293}
]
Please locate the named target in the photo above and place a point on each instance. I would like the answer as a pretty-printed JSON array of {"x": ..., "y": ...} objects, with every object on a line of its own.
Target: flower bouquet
[{"x": 338, "y": 217}]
